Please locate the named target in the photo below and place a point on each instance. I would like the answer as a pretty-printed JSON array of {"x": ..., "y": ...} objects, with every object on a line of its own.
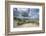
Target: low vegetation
[{"x": 24, "y": 21}]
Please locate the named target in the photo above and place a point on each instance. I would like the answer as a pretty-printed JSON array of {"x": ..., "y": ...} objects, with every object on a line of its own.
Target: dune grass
[{"x": 24, "y": 21}]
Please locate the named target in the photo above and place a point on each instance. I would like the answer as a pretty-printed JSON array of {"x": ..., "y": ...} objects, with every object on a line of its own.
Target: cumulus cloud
[{"x": 29, "y": 13}]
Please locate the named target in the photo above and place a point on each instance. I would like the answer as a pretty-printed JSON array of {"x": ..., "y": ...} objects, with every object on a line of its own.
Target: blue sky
[{"x": 29, "y": 13}]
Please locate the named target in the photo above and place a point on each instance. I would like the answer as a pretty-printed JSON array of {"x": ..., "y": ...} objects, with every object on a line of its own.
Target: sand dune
[{"x": 28, "y": 25}]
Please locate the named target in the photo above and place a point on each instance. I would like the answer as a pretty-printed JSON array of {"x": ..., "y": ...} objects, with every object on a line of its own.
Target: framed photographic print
[{"x": 24, "y": 17}]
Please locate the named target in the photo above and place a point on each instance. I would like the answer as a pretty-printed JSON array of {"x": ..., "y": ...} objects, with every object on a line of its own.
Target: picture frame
[{"x": 9, "y": 29}]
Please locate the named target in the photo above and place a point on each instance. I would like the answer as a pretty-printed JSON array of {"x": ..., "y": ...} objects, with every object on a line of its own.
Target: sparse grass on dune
[{"x": 20, "y": 22}]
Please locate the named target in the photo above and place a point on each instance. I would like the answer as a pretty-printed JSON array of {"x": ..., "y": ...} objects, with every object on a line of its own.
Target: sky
[{"x": 28, "y": 13}]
